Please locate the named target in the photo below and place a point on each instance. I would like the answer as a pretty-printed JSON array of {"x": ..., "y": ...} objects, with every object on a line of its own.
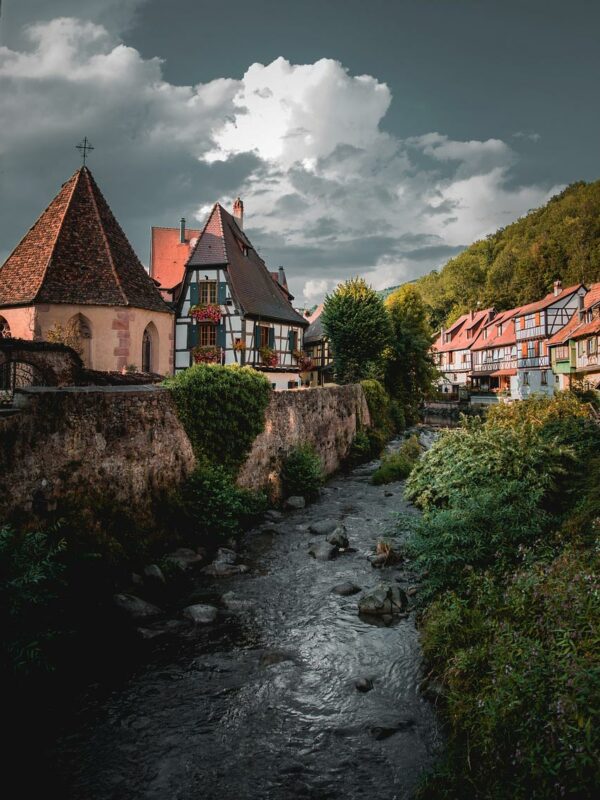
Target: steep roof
[
  {"x": 223, "y": 243},
  {"x": 76, "y": 252},
  {"x": 461, "y": 340},
  {"x": 575, "y": 328},
  {"x": 548, "y": 300},
  {"x": 315, "y": 331},
  {"x": 169, "y": 255},
  {"x": 494, "y": 337}
]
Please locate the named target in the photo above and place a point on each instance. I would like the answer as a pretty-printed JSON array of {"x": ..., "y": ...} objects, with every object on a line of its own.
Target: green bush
[
  {"x": 378, "y": 402},
  {"x": 360, "y": 451},
  {"x": 397, "y": 466},
  {"x": 222, "y": 410},
  {"x": 31, "y": 583},
  {"x": 211, "y": 506},
  {"x": 302, "y": 472}
]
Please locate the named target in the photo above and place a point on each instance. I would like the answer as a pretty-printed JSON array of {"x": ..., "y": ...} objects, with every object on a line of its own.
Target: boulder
[
  {"x": 345, "y": 589},
  {"x": 201, "y": 614},
  {"x": 323, "y": 527},
  {"x": 322, "y": 551},
  {"x": 218, "y": 569},
  {"x": 135, "y": 607},
  {"x": 184, "y": 558},
  {"x": 272, "y": 515},
  {"x": 384, "y": 600},
  {"x": 338, "y": 537},
  {"x": 160, "y": 629},
  {"x": 232, "y": 603},
  {"x": 154, "y": 573},
  {"x": 295, "y": 503},
  {"x": 363, "y": 685},
  {"x": 225, "y": 556}
]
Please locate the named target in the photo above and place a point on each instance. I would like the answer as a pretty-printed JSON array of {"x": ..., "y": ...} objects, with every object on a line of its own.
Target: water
[{"x": 263, "y": 703}]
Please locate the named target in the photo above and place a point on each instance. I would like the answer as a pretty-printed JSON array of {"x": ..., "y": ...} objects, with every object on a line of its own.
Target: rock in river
[
  {"x": 385, "y": 599},
  {"x": 225, "y": 556},
  {"x": 346, "y": 589},
  {"x": 322, "y": 551},
  {"x": 295, "y": 503},
  {"x": 338, "y": 537},
  {"x": 154, "y": 573},
  {"x": 135, "y": 607},
  {"x": 323, "y": 527},
  {"x": 201, "y": 614},
  {"x": 184, "y": 558}
]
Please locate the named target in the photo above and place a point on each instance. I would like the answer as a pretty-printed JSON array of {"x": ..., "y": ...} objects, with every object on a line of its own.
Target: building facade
[
  {"x": 318, "y": 349},
  {"x": 452, "y": 350},
  {"x": 574, "y": 349},
  {"x": 494, "y": 354}
]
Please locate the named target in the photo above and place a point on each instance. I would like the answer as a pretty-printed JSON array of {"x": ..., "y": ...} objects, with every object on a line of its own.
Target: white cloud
[
  {"x": 532, "y": 136},
  {"x": 327, "y": 192}
]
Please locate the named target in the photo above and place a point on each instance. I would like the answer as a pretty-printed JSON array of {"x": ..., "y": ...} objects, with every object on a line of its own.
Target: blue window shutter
[
  {"x": 192, "y": 340},
  {"x": 272, "y": 338},
  {"x": 257, "y": 337},
  {"x": 221, "y": 334},
  {"x": 194, "y": 293},
  {"x": 222, "y": 293}
]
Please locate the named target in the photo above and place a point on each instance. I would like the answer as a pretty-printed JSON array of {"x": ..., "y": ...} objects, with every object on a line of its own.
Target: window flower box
[
  {"x": 304, "y": 361},
  {"x": 268, "y": 357},
  {"x": 207, "y": 354},
  {"x": 206, "y": 313}
]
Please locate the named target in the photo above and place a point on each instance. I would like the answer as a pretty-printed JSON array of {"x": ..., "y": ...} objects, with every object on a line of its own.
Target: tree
[
  {"x": 358, "y": 327},
  {"x": 409, "y": 365}
]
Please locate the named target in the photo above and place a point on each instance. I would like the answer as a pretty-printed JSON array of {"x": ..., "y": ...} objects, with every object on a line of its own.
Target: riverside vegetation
[{"x": 508, "y": 545}]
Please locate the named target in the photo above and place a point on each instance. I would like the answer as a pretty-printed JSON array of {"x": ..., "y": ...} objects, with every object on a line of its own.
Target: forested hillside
[{"x": 519, "y": 263}]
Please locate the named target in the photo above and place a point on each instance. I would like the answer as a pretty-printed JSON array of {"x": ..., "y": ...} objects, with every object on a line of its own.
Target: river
[{"x": 263, "y": 703}]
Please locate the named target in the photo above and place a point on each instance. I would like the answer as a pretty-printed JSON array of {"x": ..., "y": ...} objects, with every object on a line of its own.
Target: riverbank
[{"x": 263, "y": 702}]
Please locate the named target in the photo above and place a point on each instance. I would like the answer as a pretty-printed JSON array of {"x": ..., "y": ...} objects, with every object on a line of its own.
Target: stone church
[{"x": 74, "y": 273}]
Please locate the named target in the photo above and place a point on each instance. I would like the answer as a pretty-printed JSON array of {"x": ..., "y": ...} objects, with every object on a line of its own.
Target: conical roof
[{"x": 77, "y": 253}]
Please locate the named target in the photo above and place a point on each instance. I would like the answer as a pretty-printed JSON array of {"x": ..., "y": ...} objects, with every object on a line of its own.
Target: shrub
[
  {"x": 222, "y": 410},
  {"x": 31, "y": 582},
  {"x": 212, "y": 506},
  {"x": 360, "y": 451},
  {"x": 397, "y": 466},
  {"x": 378, "y": 402},
  {"x": 302, "y": 472}
]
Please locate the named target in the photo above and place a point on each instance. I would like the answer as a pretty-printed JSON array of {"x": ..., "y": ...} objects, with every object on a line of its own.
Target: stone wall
[
  {"x": 327, "y": 418},
  {"x": 121, "y": 443}
]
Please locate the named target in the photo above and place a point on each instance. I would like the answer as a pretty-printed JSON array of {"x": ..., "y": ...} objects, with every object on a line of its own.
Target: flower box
[
  {"x": 206, "y": 313},
  {"x": 268, "y": 357},
  {"x": 207, "y": 354}
]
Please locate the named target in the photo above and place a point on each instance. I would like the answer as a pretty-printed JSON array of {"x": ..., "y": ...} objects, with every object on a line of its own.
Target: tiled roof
[
  {"x": 168, "y": 255},
  {"x": 223, "y": 243},
  {"x": 575, "y": 328},
  {"x": 77, "y": 253},
  {"x": 315, "y": 331},
  {"x": 495, "y": 339},
  {"x": 548, "y": 300},
  {"x": 473, "y": 322}
]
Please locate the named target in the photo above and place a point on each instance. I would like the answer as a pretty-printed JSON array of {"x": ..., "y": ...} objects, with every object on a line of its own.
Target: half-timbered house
[
  {"x": 574, "y": 349},
  {"x": 316, "y": 345},
  {"x": 452, "y": 349},
  {"x": 232, "y": 310},
  {"x": 535, "y": 324},
  {"x": 494, "y": 354}
]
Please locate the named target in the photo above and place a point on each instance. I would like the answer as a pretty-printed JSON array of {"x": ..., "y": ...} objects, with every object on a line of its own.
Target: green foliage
[
  {"x": 358, "y": 328},
  {"x": 222, "y": 410},
  {"x": 211, "y": 506},
  {"x": 379, "y": 404},
  {"x": 302, "y": 472},
  {"x": 519, "y": 263},
  {"x": 31, "y": 581},
  {"x": 409, "y": 369},
  {"x": 397, "y": 466},
  {"x": 361, "y": 450},
  {"x": 509, "y": 546}
]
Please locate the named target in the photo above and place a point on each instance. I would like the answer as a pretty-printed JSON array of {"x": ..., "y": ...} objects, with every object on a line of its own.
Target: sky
[{"x": 375, "y": 139}]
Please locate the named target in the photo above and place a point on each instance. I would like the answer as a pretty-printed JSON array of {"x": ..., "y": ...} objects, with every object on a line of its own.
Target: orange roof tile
[
  {"x": 473, "y": 321},
  {"x": 168, "y": 255},
  {"x": 574, "y": 327},
  {"x": 548, "y": 300}
]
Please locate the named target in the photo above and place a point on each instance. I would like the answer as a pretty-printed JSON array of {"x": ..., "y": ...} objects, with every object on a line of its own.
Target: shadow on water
[{"x": 264, "y": 704}]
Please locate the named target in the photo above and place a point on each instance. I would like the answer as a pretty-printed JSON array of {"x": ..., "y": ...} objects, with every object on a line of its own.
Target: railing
[
  {"x": 537, "y": 332},
  {"x": 587, "y": 360},
  {"x": 492, "y": 366},
  {"x": 534, "y": 362},
  {"x": 455, "y": 367}
]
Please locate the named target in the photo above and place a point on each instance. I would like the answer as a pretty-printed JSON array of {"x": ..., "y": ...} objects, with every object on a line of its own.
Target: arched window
[
  {"x": 150, "y": 349},
  {"x": 79, "y": 336},
  {"x": 4, "y": 329}
]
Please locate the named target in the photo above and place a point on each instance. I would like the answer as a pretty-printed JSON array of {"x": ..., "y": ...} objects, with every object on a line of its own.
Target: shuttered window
[
  {"x": 207, "y": 292},
  {"x": 208, "y": 335}
]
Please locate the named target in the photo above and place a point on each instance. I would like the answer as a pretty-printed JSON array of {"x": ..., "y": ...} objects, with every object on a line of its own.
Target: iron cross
[{"x": 85, "y": 147}]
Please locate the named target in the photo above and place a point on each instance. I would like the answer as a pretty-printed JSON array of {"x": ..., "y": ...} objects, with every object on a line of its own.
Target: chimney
[
  {"x": 238, "y": 213},
  {"x": 557, "y": 288},
  {"x": 281, "y": 276},
  {"x": 182, "y": 231}
]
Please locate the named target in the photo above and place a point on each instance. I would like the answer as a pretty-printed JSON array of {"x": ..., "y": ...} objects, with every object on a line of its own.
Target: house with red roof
[
  {"x": 452, "y": 349},
  {"x": 535, "y": 324},
  {"x": 75, "y": 272},
  {"x": 574, "y": 349},
  {"x": 494, "y": 354},
  {"x": 170, "y": 249},
  {"x": 230, "y": 309}
]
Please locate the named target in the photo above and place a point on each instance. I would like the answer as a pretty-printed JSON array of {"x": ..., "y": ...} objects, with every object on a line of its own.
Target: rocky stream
[{"x": 281, "y": 690}]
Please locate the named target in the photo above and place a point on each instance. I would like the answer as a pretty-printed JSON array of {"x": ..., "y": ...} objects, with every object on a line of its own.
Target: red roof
[
  {"x": 494, "y": 338},
  {"x": 473, "y": 321},
  {"x": 168, "y": 255},
  {"x": 500, "y": 372},
  {"x": 77, "y": 253},
  {"x": 548, "y": 300},
  {"x": 575, "y": 327},
  {"x": 223, "y": 243}
]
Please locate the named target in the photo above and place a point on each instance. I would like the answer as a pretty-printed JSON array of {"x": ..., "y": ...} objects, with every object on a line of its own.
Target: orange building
[{"x": 75, "y": 271}]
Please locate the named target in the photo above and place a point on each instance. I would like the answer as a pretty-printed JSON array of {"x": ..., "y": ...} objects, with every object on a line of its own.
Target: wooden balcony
[
  {"x": 534, "y": 362},
  {"x": 537, "y": 332},
  {"x": 493, "y": 366}
]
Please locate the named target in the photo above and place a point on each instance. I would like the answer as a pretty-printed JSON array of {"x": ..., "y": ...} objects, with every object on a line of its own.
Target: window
[
  {"x": 79, "y": 331},
  {"x": 207, "y": 334},
  {"x": 150, "y": 349},
  {"x": 561, "y": 353},
  {"x": 293, "y": 340},
  {"x": 525, "y": 379},
  {"x": 591, "y": 346},
  {"x": 4, "y": 329},
  {"x": 580, "y": 346},
  {"x": 556, "y": 379},
  {"x": 207, "y": 293},
  {"x": 544, "y": 378},
  {"x": 264, "y": 336},
  {"x": 500, "y": 330}
]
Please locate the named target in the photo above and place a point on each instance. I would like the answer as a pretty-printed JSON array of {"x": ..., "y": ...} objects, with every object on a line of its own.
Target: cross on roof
[{"x": 84, "y": 147}]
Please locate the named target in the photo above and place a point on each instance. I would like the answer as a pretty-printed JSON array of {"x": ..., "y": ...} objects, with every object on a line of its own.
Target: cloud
[
  {"x": 532, "y": 136},
  {"x": 327, "y": 192}
]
